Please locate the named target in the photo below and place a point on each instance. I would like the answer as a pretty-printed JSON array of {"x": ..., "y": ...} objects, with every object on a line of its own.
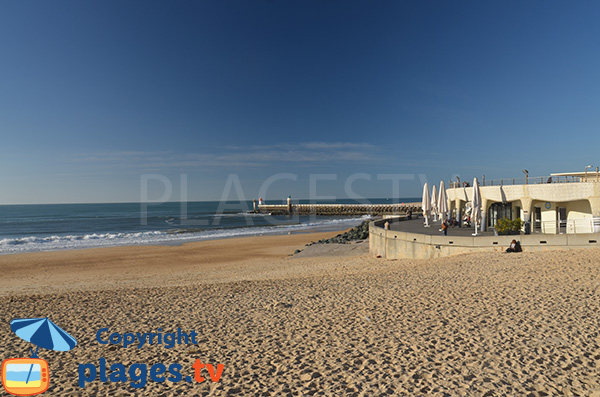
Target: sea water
[{"x": 48, "y": 227}]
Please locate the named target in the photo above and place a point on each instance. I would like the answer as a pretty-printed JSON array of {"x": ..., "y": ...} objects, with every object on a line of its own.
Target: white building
[{"x": 561, "y": 203}]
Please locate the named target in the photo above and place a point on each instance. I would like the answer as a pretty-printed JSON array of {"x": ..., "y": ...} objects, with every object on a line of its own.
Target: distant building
[{"x": 560, "y": 203}]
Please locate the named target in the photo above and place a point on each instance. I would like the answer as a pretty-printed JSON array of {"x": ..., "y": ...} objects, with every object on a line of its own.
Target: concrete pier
[{"x": 339, "y": 209}]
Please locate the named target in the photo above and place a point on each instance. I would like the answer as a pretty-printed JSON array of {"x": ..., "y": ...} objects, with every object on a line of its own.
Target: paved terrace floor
[{"x": 415, "y": 225}]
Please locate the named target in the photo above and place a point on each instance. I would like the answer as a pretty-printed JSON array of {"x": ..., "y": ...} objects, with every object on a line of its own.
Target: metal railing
[
  {"x": 532, "y": 180},
  {"x": 572, "y": 226}
]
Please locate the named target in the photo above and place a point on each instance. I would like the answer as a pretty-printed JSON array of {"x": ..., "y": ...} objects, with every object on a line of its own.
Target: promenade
[{"x": 415, "y": 225}]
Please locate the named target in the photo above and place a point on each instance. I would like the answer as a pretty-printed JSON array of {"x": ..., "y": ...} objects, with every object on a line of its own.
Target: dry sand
[{"x": 328, "y": 321}]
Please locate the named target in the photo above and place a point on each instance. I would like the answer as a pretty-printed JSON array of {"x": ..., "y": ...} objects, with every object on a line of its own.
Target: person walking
[{"x": 445, "y": 228}]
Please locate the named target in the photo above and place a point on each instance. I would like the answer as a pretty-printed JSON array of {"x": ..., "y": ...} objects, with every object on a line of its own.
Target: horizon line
[{"x": 196, "y": 201}]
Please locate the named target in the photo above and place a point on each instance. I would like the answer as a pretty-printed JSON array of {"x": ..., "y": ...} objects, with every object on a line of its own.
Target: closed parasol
[
  {"x": 476, "y": 205},
  {"x": 426, "y": 204},
  {"x": 443, "y": 202},
  {"x": 434, "y": 202}
]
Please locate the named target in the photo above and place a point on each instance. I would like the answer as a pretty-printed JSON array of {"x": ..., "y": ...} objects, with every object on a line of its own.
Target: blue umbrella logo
[{"x": 42, "y": 332}]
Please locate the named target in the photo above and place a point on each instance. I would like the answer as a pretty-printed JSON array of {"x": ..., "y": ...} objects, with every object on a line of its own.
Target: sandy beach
[{"x": 328, "y": 321}]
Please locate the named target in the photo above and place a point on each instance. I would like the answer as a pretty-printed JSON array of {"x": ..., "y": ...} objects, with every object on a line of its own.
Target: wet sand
[{"x": 329, "y": 321}]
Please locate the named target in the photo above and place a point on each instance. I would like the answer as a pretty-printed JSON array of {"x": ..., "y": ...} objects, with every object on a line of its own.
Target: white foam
[
  {"x": 94, "y": 240},
  {"x": 238, "y": 214}
]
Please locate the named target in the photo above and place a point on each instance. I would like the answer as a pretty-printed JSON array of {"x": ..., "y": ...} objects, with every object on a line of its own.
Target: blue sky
[{"x": 95, "y": 95}]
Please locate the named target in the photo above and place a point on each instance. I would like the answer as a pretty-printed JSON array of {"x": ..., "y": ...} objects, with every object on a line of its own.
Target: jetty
[{"x": 337, "y": 209}]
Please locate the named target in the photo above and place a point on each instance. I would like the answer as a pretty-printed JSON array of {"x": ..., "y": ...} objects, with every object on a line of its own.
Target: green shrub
[{"x": 506, "y": 226}]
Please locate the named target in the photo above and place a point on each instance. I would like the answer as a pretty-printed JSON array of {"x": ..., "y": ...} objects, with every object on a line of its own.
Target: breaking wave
[{"x": 172, "y": 236}]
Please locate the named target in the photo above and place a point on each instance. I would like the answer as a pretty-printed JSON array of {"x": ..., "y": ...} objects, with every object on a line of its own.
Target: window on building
[{"x": 499, "y": 211}]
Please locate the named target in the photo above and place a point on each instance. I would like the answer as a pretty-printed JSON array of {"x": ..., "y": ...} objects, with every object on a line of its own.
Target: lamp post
[
  {"x": 586, "y": 168},
  {"x": 526, "y": 176}
]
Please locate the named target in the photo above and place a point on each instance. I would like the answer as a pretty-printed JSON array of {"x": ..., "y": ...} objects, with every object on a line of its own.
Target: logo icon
[
  {"x": 25, "y": 376},
  {"x": 31, "y": 376}
]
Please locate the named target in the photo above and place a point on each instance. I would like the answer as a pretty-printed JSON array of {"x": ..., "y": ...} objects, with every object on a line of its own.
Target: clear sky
[{"x": 96, "y": 94}]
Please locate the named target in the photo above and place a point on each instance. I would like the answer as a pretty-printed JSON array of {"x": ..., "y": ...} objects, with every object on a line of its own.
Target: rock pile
[{"x": 359, "y": 232}]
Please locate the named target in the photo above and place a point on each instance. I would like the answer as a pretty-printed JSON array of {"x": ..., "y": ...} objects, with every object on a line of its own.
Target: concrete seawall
[
  {"x": 391, "y": 244},
  {"x": 339, "y": 209}
]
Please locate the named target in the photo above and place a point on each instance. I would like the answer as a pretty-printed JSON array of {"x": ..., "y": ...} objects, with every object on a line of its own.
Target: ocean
[{"x": 51, "y": 227}]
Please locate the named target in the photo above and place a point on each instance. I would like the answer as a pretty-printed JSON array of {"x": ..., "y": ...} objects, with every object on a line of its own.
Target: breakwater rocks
[{"x": 360, "y": 232}]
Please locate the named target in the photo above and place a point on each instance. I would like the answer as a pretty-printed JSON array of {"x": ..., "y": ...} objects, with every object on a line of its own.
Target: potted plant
[{"x": 506, "y": 226}]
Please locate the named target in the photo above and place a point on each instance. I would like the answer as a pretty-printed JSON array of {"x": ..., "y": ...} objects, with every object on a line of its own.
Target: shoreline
[{"x": 122, "y": 266}]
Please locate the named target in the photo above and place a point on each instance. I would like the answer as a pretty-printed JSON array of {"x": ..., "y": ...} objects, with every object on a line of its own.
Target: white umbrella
[
  {"x": 476, "y": 205},
  {"x": 434, "y": 202},
  {"x": 426, "y": 204},
  {"x": 442, "y": 201}
]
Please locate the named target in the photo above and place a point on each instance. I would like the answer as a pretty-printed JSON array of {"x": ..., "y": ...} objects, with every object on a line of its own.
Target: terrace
[{"x": 563, "y": 177}]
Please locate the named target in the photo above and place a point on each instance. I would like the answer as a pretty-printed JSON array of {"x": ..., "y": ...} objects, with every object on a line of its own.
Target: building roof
[{"x": 577, "y": 173}]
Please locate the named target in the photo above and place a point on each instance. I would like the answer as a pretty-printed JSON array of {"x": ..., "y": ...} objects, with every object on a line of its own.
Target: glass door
[
  {"x": 537, "y": 219},
  {"x": 561, "y": 219}
]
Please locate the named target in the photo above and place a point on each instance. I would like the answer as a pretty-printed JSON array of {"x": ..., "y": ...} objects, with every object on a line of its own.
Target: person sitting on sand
[{"x": 515, "y": 246}]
